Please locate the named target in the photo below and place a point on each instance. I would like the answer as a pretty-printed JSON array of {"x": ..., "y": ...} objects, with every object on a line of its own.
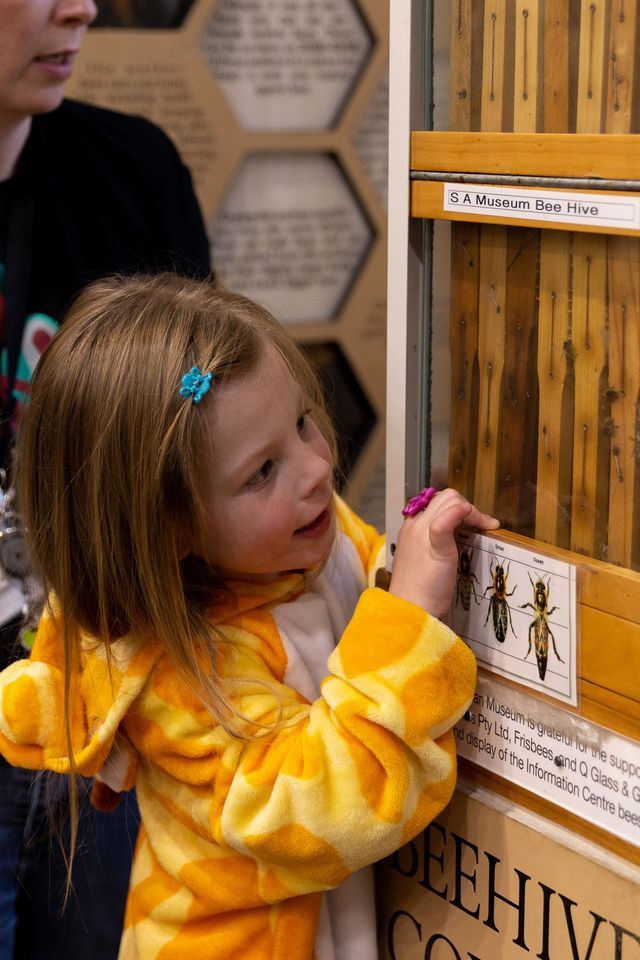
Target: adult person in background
[{"x": 84, "y": 192}]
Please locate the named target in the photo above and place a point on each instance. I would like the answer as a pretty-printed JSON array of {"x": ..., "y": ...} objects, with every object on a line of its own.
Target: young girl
[{"x": 210, "y": 637}]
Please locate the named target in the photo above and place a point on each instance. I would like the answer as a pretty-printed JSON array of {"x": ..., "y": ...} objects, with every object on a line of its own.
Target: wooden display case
[{"x": 514, "y": 336}]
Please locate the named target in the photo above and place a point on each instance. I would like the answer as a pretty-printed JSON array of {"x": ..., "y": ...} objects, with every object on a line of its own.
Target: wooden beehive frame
[{"x": 545, "y": 323}]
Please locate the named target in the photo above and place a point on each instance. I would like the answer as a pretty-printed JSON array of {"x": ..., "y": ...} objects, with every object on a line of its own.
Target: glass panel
[
  {"x": 542, "y": 328},
  {"x": 536, "y": 334},
  {"x": 291, "y": 234}
]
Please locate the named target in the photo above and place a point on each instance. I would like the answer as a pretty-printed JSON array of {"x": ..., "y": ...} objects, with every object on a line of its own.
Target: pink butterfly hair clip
[{"x": 420, "y": 502}]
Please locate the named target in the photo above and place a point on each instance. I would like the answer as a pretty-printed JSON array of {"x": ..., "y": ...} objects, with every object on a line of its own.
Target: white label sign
[
  {"x": 517, "y": 611},
  {"x": 578, "y": 765},
  {"x": 559, "y": 206}
]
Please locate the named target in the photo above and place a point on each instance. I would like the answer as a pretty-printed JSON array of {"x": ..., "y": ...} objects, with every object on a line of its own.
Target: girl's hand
[{"x": 426, "y": 558}]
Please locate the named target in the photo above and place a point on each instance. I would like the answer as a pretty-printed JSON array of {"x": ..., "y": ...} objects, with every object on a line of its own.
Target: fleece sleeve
[
  {"x": 342, "y": 781},
  {"x": 33, "y": 732}
]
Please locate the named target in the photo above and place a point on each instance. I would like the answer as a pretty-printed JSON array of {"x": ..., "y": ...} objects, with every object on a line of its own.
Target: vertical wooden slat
[
  {"x": 622, "y": 71},
  {"x": 461, "y": 59},
  {"x": 526, "y": 88},
  {"x": 588, "y": 343},
  {"x": 463, "y": 338},
  {"x": 555, "y": 418},
  {"x": 515, "y": 497},
  {"x": 491, "y": 353},
  {"x": 623, "y": 391},
  {"x": 554, "y": 77},
  {"x": 591, "y": 65},
  {"x": 493, "y": 64},
  {"x": 624, "y": 316}
]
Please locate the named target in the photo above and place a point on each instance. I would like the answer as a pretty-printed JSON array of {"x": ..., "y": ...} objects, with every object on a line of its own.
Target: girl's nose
[
  {"x": 81, "y": 12},
  {"x": 315, "y": 473}
]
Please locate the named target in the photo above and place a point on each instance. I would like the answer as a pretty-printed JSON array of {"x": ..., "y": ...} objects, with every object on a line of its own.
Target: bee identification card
[{"x": 517, "y": 612}]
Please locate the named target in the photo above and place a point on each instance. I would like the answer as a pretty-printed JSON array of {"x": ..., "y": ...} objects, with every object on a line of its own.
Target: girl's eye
[
  {"x": 302, "y": 421},
  {"x": 261, "y": 475}
]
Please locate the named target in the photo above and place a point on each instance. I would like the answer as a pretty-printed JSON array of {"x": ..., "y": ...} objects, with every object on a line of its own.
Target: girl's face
[
  {"x": 269, "y": 491},
  {"x": 39, "y": 40}
]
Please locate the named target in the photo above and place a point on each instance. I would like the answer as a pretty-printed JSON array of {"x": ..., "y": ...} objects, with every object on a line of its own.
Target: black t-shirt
[
  {"x": 98, "y": 192},
  {"x": 6, "y": 189},
  {"x": 106, "y": 193}
]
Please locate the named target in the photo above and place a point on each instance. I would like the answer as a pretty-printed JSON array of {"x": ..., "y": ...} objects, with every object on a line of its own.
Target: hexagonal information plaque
[
  {"x": 286, "y": 64},
  {"x": 290, "y": 234}
]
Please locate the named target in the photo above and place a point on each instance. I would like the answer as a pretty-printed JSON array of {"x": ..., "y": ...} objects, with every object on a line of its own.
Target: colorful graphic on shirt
[{"x": 38, "y": 332}]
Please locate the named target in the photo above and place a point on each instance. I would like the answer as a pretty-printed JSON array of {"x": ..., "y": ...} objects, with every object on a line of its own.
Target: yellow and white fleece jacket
[{"x": 241, "y": 837}]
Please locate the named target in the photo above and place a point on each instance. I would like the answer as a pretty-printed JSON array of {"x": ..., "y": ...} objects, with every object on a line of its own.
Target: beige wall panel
[{"x": 165, "y": 74}]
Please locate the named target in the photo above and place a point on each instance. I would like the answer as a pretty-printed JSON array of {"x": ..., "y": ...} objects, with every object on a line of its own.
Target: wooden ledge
[{"x": 607, "y": 156}]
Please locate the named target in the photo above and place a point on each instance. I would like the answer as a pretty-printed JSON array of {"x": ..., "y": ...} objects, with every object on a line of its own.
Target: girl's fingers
[
  {"x": 482, "y": 521},
  {"x": 447, "y": 520},
  {"x": 452, "y": 505}
]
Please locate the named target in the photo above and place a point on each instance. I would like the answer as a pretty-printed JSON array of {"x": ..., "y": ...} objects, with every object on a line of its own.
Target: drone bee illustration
[
  {"x": 498, "y": 603},
  {"x": 464, "y": 583},
  {"x": 539, "y": 626}
]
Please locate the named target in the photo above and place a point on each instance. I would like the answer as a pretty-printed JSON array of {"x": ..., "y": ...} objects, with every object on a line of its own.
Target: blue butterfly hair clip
[{"x": 196, "y": 384}]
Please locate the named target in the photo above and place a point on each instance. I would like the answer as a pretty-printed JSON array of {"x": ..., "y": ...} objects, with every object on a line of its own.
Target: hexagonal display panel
[
  {"x": 350, "y": 410},
  {"x": 371, "y": 139},
  {"x": 142, "y": 14},
  {"x": 291, "y": 234},
  {"x": 286, "y": 64}
]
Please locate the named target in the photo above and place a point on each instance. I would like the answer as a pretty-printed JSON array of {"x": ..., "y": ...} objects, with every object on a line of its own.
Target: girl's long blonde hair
[{"x": 110, "y": 459}]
